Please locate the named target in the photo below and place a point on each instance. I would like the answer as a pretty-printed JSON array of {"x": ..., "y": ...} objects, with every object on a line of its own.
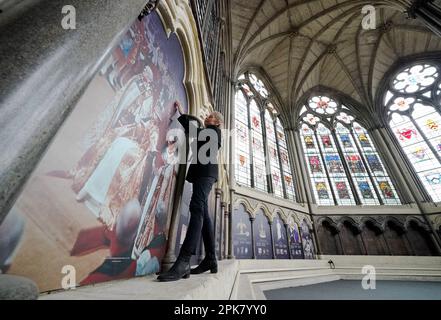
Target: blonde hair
[{"x": 218, "y": 116}]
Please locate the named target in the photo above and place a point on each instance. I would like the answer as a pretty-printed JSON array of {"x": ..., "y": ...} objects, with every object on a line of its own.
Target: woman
[{"x": 202, "y": 174}]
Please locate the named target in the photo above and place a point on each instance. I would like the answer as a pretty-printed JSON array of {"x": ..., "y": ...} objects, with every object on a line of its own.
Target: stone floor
[
  {"x": 397, "y": 278},
  {"x": 352, "y": 290}
]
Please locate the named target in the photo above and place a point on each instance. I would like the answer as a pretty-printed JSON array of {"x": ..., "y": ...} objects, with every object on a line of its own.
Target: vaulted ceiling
[{"x": 300, "y": 44}]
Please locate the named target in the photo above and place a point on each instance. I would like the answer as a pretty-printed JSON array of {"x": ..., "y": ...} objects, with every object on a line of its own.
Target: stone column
[
  {"x": 341, "y": 243},
  {"x": 304, "y": 183},
  {"x": 272, "y": 239},
  {"x": 252, "y": 238},
  {"x": 221, "y": 230},
  {"x": 226, "y": 233},
  {"x": 288, "y": 240},
  {"x": 232, "y": 140},
  {"x": 296, "y": 164},
  {"x": 44, "y": 70},
  {"x": 229, "y": 236},
  {"x": 435, "y": 242},
  {"x": 363, "y": 242},
  {"x": 217, "y": 221},
  {"x": 301, "y": 243},
  {"x": 389, "y": 251},
  {"x": 231, "y": 170},
  {"x": 315, "y": 241},
  {"x": 408, "y": 244}
]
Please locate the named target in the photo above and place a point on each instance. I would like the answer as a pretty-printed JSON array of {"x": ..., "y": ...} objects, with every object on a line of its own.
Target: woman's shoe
[
  {"x": 179, "y": 270},
  {"x": 205, "y": 265}
]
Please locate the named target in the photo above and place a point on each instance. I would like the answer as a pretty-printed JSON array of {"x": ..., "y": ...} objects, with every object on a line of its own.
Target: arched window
[
  {"x": 262, "y": 160},
  {"x": 413, "y": 106},
  {"x": 343, "y": 164}
]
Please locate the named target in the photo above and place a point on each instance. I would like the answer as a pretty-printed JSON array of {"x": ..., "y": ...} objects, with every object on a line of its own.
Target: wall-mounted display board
[
  {"x": 241, "y": 233},
  {"x": 295, "y": 239},
  {"x": 280, "y": 238},
  {"x": 307, "y": 242},
  {"x": 262, "y": 237}
]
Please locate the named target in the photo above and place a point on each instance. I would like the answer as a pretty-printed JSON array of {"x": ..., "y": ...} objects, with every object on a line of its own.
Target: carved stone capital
[
  {"x": 294, "y": 33},
  {"x": 332, "y": 48}
]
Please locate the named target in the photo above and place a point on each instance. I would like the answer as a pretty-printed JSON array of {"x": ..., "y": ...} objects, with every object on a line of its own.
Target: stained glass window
[
  {"x": 243, "y": 159},
  {"x": 413, "y": 106},
  {"x": 262, "y": 159},
  {"x": 323, "y": 105},
  {"x": 333, "y": 162},
  {"x": 273, "y": 153},
  {"x": 343, "y": 164},
  {"x": 381, "y": 180},
  {"x": 258, "y": 85},
  {"x": 314, "y": 162},
  {"x": 258, "y": 146}
]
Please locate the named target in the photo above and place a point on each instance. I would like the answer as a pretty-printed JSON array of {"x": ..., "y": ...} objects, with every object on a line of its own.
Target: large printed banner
[{"x": 98, "y": 204}]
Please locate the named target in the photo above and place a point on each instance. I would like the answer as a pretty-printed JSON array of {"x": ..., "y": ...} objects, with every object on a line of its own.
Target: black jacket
[{"x": 199, "y": 170}]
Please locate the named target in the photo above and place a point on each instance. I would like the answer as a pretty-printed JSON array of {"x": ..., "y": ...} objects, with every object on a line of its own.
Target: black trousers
[{"x": 200, "y": 222}]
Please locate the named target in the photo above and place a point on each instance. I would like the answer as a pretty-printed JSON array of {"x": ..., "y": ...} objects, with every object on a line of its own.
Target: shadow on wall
[
  {"x": 100, "y": 199},
  {"x": 391, "y": 238}
]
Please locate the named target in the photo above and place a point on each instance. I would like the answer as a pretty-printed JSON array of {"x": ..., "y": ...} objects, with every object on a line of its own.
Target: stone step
[
  {"x": 304, "y": 280},
  {"x": 197, "y": 287},
  {"x": 252, "y": 287}
]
